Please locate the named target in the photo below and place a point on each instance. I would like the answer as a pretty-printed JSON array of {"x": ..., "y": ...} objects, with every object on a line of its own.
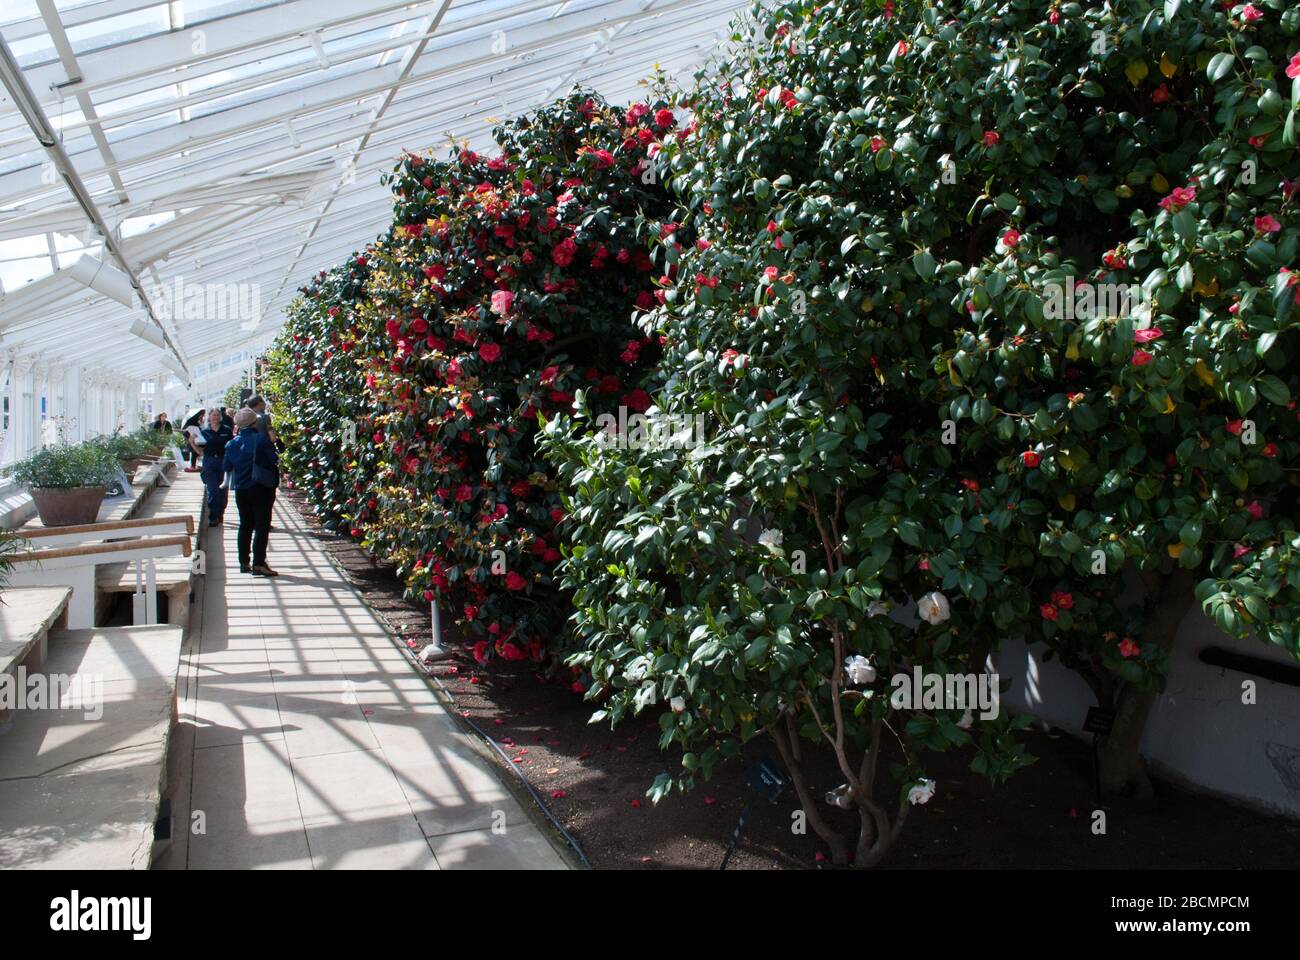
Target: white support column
[
  {"x": 21, "y": 407},
  {"x": 8, "y": 430},
  {"x": 74, "y": 427}
]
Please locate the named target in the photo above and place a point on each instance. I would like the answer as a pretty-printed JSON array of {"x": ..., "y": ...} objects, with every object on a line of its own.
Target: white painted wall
[{"x": 1199, "y": 731}]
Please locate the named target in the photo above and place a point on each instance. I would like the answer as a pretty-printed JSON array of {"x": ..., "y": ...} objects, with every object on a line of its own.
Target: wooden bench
[
  {"x": 81, "y": 785},
  {"x": 26, "y": 616},
  {"x": 185, "y": 497},
  {"x": 76, "y": 566}
]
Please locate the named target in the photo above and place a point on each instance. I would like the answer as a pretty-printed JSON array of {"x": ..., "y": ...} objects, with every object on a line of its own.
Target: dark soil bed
[{"x": 594, "y": 782}]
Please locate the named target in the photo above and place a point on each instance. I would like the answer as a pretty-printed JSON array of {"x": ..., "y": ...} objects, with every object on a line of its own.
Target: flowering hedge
[
  {"x": 902, "y": 213},
  {"x": 504, "y": 284}
]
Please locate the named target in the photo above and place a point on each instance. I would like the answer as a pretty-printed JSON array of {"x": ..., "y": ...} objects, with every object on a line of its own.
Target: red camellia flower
[
  {"x": 464, "y": 492},
  {"x": 1233, "y": 427},
  {"x": 1147, "y": 334},
  {"x": 521, "y": 488},
  {"x": 665, "y": 118},
  {"x": 1030, "y": 459},
  {"x": 557, "y": 515},
  {"x": 514, "y": 581},
  {"x": 1128, "y": 649},
  {"x": 1178, "y": 198},
  {"x": 490, "y": 352},
  {"x": 1269, "y": 451},
  {"x": 1293, "y": 68},
  {"x": 562, "y": 253},
  {"x": 1267, "y": 224},
  {"x": 991, "y": 138},
  {"x": 1141, "y": 358},
  {"x": 1048, "y": 612},
  {"x": 877, "y": 144},
  {"x": 1062, "y": 599},
  {"x": 638, "y": 401},
  {"x": 1011, "y": 238},
  {"x": 1160, "y": 94},
  {"x": 548, "y": 375}
]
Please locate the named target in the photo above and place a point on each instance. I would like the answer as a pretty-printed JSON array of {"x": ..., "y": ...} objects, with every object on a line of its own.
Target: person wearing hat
[{"x": 253, "y": 467}]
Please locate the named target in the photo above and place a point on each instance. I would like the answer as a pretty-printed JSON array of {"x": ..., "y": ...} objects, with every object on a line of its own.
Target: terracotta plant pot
[{"x": 65, "y": 507}]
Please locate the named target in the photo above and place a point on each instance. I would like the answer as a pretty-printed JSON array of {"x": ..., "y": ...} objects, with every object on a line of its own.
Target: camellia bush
[
  {"x": 990, "y": 320},
  {"x": 506, "y": 283},
  {"x": 312, "y": 379}
]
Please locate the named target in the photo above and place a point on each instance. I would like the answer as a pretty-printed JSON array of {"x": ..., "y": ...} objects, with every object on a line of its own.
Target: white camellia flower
[
  {"x": 877, "y": 608},
  {"x": 921, "y": 793},
  {"x": 933, "y": 607},
  {"x": 772, "y": 539},
  {"x": 859, "y": 669},
  {"x": 841, "y": 796},
  {"x": 967, "y": 721},
  {"x": 678, "y": 704}
]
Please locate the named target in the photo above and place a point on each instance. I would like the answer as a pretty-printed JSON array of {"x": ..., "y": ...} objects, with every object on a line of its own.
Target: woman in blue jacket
[
  {"x": 211, "y": 443},
  {"x": 254, "y": 470}
]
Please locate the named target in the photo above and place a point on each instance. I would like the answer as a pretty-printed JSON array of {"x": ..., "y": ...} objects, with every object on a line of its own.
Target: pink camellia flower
[
  {"x": 991, "y": 138},
  {"x": 1048, "y": 612},
  {"x": 902, "y": 48},
  {"x": 1293, "y": 68},
  {"x": 1141, "y": 358},
  {"x": 1054, "y": 17},
  {"x": 1240, "y": 550},
  {"x": 1178, "y": 198},
  {"x": 1250, "y": 13},
  {"x": 1267, "y": 224},
  {"x": 1011, "y": 238},
  {"x": 1148, "y": 334},
  {"x": 1258, "y": 140},
  {"x": 923, "y": 564},
  {"x": 1255, "y": 509},
  {"x": 502, "y": 301},
  {"x": 1128, "y": 649},
  {"x": 878, "y": 143},
  {"x": 490, "y": 352},
  {"x": 770, "y": 274},
  {"x": 514, "y": 581}
]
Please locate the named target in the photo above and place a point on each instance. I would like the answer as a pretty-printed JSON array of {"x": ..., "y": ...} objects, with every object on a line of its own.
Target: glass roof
[{"x": 241, "y": 142}]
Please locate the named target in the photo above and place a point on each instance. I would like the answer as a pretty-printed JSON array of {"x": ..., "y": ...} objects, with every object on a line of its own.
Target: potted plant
[{"x": 67, "y": 481}]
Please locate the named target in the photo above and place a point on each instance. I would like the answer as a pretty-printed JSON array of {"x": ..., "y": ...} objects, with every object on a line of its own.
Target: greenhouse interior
[{"x": 650, "y": 435}]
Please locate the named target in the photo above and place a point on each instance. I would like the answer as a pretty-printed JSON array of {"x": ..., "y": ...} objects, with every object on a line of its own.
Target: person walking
[
  {"x": 253, "y": 466},
  {"x": 191, "y": 428},
  {"x": 211, "y": 443}
]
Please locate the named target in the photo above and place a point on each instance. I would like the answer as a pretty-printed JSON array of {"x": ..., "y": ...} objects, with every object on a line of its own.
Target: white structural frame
[{"x": 240, "y": 150}]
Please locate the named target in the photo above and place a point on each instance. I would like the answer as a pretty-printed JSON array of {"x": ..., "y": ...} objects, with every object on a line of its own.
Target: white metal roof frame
[{"x": 243, "y": 145}]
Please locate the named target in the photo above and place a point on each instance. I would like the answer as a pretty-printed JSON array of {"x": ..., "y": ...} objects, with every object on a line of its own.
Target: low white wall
[{"x": 1199, "y": 731}]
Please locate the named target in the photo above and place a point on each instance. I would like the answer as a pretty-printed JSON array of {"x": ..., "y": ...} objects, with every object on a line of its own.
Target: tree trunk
[
  {"x": 1169, "y": 597},
  {"x": 839, "y": 846}
]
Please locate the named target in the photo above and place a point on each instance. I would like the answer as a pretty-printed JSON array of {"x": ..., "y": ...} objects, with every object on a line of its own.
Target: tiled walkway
[{"x": 307, "y": 740}]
